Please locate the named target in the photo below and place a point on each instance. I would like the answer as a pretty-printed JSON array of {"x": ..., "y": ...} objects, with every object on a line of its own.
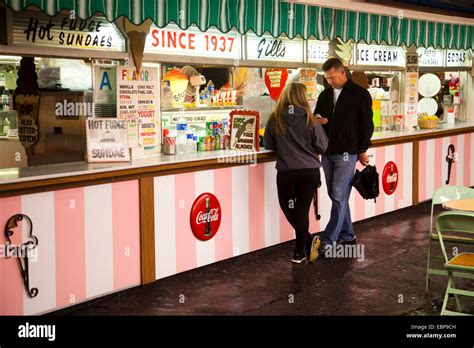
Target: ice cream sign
[
  {"x": 380, "y": 55},
  {"x": 192, "y": 42}
]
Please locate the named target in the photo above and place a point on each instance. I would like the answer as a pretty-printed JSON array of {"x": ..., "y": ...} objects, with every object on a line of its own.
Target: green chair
[
  {"x": 440, "y": 196},
  {"x": 455, "y": 222}
]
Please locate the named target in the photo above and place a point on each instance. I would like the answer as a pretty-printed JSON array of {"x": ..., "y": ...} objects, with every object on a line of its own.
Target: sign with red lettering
[
  {"x": 205, "y": 217},
  {"x": 275, "y": 80},
  {"x": 192, "y": 42},
  {"x": 137, "y": 102},
  {"x": 390, "y": 178}
]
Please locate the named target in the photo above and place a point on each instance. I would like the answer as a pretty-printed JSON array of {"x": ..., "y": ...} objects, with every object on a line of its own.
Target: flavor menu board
[
  {"x": 308, "y": 78},
  {"x": 138, "y": 104},
  {"x": 411, "y": 91}
]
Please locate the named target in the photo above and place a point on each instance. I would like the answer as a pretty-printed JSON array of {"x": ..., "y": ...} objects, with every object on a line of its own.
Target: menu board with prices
[
  {"x": 138, "y": 104},
  {"x": 411, "y": 100},
  {"x": 308, "y": 78}
]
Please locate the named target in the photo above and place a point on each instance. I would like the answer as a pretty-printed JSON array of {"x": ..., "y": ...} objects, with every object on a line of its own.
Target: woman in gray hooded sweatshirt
[{"x": 298, "y": 139}]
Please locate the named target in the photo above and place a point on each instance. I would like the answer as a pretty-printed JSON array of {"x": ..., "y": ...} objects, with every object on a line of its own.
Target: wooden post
[{"x": 147, "y": 230}]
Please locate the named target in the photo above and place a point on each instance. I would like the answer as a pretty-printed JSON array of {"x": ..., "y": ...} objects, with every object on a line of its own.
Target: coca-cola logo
[
  {"x": 202, "y": 218},
  {"x": 390, "y": 178},
  {"x": 205, "y": 217}
]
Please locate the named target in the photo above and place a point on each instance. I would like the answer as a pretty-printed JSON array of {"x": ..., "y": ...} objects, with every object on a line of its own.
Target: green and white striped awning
[{"x": 275, "y": 17}]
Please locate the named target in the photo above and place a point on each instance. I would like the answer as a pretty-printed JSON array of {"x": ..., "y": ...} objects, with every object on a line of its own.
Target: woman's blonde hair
[{"x": 293, "y": 95}]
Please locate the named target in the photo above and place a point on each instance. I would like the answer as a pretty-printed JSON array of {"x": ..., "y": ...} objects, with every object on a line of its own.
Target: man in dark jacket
[{"x": 349, "y": 127}]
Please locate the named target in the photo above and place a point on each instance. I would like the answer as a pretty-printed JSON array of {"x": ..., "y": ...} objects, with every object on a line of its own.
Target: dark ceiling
[{"x": 463, "y": 8}]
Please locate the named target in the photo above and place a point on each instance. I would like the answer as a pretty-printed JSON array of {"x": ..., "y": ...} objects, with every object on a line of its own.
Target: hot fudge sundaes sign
[{"x": 107, "y": 140}]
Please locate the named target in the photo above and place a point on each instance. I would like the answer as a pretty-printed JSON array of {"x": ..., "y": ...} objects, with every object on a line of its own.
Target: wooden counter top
[{"x": 75, "y": 174}]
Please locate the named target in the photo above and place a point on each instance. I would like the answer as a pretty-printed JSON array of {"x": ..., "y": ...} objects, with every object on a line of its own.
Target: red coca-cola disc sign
[
  {"x": 390, "y": 178},
  {"x": 205, "y": 217}
]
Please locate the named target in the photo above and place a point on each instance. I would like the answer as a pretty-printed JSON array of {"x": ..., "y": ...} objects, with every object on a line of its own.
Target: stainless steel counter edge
[
  {"x": 76, "y": 169},
  {"x": 51, "y": 171}
]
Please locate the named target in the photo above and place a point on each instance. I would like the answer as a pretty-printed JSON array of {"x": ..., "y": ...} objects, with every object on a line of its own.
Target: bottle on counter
[
  {"x": 225, "y": 126},
  {"x": 182, "y": 130},
  {"x": 210, "y": 87},
  {"x": 6, "y": 126},
  {"x": 5, "y": 100},
  {"x": 201, "y": 145}
]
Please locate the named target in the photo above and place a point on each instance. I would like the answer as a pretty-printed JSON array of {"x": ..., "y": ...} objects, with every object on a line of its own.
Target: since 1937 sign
[{"x": 193, "y": 42}]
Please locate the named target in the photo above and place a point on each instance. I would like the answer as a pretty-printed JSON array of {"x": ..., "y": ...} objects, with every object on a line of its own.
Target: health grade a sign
[{"x": 193, "y": 42}]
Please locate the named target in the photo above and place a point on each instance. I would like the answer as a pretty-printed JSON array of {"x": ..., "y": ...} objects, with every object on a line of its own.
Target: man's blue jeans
[{"x": 339, "y": 171}]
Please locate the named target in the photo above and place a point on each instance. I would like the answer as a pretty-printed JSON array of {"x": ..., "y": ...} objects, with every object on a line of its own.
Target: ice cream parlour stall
[
  {"x": 83, "y": 235},
  {"x": 217, "y": 92},
  {"x": 173, "y": 175},
  {"x": 409, "y": 114}
]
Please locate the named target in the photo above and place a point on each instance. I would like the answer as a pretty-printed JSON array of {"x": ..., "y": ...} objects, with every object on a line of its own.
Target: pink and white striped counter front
[
  {"x": 434, "y": 168},
  {"x": 88, "y": 246},
  {"x": 251, "y": 217}
]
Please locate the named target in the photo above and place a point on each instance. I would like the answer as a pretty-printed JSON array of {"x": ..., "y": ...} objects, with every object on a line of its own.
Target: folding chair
[
  {"x": 442, "y": 195},
  {"x": 455, "y": 222}
]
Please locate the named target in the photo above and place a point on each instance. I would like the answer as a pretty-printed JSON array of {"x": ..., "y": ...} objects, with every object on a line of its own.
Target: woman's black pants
[{"x": 295, "y": 193}]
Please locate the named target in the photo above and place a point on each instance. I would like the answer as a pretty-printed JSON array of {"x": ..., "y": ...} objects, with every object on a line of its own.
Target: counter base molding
[
  {"x": 90, "y": 246},
  {"x": 434, "y": 167},
  {"x": 251, "y": 217}
]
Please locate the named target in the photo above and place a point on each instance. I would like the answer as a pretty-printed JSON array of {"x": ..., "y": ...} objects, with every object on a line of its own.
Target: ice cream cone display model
[
  {"x": 137, "y": 36},
  {"x": 27, "y": 103},
  {"x": 341, "y": 50},
  {"x": 178, "y": 83}
]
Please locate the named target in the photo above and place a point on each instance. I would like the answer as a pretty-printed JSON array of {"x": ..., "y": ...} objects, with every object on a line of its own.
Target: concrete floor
[{"x": 390, "y": 281}]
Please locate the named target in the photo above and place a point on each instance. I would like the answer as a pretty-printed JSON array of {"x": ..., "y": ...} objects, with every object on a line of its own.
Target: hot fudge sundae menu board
[
  {"x": 138, "y": 104},
  {"x": 244, "y": 127},
  {"x": 107, "y": 140}
]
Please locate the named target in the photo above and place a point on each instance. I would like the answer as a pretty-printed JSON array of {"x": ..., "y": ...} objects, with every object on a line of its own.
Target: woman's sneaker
[
  {"x": 313, "y": 248},
  {"x": 298, "y": 258}
]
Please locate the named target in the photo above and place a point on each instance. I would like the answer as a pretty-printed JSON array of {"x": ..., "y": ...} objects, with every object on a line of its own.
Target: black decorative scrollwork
[
  {"x": 450, "y": 160},
  {"x": 21, "y": 251}
]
